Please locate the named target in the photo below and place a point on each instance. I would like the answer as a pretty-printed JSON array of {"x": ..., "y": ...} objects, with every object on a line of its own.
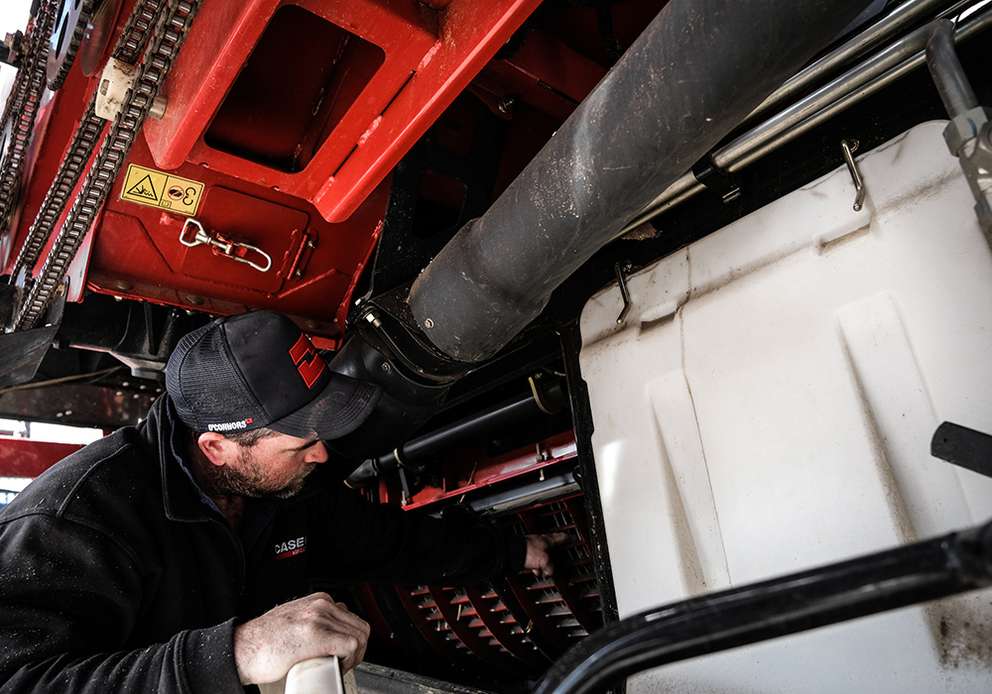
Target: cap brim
[{"x": 339, "y": 409}]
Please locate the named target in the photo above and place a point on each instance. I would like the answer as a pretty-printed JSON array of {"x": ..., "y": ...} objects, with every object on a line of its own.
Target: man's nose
[{"x": 317, "y": 453}]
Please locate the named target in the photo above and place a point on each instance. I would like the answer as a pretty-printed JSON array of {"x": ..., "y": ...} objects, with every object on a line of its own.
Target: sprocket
[{"x": 70, "y": 27}]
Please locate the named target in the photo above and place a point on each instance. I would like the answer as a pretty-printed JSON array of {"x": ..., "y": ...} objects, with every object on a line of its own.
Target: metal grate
[{"x": 520, "y": 625}]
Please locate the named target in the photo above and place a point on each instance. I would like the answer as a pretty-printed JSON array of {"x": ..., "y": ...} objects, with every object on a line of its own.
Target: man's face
[{"x": 276, "y": 466}]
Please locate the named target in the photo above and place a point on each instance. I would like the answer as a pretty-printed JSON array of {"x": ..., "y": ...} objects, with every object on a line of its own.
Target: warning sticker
[{"x": 162, "y": 190}]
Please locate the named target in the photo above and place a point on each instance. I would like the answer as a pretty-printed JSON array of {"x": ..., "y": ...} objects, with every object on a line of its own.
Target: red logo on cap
[{"x": 307, "y": 361}]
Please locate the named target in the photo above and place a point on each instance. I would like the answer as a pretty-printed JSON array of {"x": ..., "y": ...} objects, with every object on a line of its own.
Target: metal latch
[{"x": 193, "y": 234}]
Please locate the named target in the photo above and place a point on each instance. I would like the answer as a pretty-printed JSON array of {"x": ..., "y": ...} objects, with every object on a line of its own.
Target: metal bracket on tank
[
  {"x": 849, "y": 147},
  {"x": 622, "y": 269}
]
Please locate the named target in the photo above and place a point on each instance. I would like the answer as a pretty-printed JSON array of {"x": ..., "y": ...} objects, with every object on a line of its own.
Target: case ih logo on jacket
[
  {"x": 290, "y": 548},
  {"x": 307, "y": 361}
]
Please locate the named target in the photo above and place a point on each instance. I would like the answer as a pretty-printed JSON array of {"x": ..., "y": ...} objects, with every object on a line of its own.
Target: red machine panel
[
  {"x": 30, "y": 458},
  {"x": 321, "y": 98},
  {"x": 285, "y": 114},
  {"x": 314, "y": 263}
]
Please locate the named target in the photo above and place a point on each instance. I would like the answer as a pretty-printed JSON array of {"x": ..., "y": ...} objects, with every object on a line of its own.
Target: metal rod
[
  {"x": 875, "y": 66},
  {"x": 829, "y": 594},
  {"x": 502, "y": 415},
  {"x": 754, "y": 144},
  {"x": 848, "y": 149},
  {"x": 684, "y": 188},
  {"x": 948, "y": 75},
  {"x": 512, "y": 499},
  {"x": 621, "y": 269},
  {"x": 975, "y": 26},
  {"x": 898, "y": 19}
]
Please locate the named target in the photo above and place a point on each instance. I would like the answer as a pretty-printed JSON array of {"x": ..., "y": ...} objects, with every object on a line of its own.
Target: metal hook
[
  {"x": 621, "y": 269},
  {"x": 229, "y": 249},
  {"x": 849, "y": 147}
]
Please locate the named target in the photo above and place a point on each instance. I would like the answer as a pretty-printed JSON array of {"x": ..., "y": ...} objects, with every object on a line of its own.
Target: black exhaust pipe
[{"x": 695, "y": 73}]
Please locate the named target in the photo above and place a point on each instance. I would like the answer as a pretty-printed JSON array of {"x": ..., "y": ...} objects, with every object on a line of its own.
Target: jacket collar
[{"x": 163, "y": 435}]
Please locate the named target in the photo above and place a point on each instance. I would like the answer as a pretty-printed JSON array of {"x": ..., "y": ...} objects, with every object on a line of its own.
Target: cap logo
[
  {"x": 308, "y": 363},
  {"x": 231, "y": 426}
]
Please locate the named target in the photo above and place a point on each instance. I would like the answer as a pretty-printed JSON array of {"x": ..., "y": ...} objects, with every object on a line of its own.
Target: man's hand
[
  {"x": 538, "y": 559},
  {"x": 312, "y": 627}
]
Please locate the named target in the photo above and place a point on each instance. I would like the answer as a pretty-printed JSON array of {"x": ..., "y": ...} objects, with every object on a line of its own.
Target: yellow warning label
[{"x": 162, "y": 190}]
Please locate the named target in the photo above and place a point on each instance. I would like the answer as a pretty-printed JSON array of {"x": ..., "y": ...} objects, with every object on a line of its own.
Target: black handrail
[{"x": 817, "y": 597}]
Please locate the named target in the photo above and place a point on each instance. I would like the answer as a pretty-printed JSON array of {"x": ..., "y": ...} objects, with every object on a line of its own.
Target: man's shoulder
[{"x": 87, "y": 483}]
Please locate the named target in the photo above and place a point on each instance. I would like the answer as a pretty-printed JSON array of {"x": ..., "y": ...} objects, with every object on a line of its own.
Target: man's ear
[{"x": 215, "y": 447}]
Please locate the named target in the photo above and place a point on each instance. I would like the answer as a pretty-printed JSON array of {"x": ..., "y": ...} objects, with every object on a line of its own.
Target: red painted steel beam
[
  {"x": 551, "y": 451},
  {"x": 30, "y": 458}
]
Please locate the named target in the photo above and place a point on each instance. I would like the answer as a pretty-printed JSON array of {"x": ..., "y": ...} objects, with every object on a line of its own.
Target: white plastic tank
[{"x": 767, "y": 407}]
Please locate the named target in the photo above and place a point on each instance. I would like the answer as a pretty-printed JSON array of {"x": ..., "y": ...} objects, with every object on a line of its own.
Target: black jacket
[{"x": 115, "y": 576}]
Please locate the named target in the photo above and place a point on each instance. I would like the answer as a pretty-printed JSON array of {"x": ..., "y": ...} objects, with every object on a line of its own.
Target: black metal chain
[
  {"x": 128, "y": 50},
  {"x": 166, "y": 38},
  {"x": 21, "y": 108}
]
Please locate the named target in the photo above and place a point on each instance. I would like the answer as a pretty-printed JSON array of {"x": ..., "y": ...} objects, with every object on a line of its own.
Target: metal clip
[
  {"x": 621, "y": 270},
  {"x": 405, "y": 495},
  {"x": 230, "y": 249},
  {"x": 849, "y": 147}
]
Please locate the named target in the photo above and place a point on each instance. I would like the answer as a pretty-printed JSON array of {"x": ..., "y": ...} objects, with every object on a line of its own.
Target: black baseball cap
[{"x": 259, "y": 370}]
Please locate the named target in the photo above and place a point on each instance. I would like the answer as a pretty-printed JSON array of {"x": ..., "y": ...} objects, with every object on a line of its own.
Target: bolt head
[{"x": 429, "y": 323}]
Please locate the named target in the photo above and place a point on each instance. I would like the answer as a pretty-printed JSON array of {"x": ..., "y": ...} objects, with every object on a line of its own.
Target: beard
[{"x": 251, "y": 479}]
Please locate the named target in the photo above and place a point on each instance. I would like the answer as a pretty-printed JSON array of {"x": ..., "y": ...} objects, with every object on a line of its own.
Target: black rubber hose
[{"x": 692, "y": 76}]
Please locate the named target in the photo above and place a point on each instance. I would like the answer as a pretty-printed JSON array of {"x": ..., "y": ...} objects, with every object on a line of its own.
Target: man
[{"x": 151, "y": 560}]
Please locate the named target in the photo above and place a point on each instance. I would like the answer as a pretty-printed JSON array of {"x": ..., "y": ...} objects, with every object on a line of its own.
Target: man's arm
[
  {"x": 375, "y": 542},
  {"x": 70, "y": 597}
]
